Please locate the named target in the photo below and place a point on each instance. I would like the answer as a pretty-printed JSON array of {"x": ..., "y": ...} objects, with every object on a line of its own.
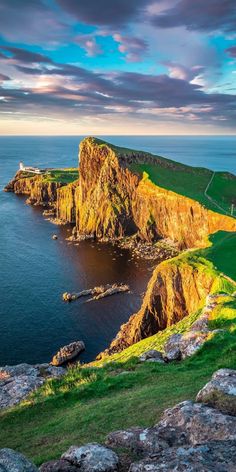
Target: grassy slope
[
  {"x": 193, "y": 183},
  {"x": 65, "y": 176},
  {"x": 90, "y": 402}
]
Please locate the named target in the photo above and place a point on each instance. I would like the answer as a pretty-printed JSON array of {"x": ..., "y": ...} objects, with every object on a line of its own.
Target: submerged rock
[
  {"x": 17, "y": 382},
  {"x": 68, "y": 352},
  {"x": 220, "y": 392},
  {"x": 12, "y": 461},
  {"x": 92, "y": 458}
]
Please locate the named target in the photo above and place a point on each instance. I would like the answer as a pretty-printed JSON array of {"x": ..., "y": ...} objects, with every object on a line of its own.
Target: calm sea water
[{"x": 35, "y": 270}]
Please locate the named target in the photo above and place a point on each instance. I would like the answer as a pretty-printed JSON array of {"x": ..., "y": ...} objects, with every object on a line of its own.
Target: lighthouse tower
[{"x": 22, "y": 167}]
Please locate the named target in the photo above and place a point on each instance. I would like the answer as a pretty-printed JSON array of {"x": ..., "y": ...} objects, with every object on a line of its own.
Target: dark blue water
[{"x": 35, "y": 270}]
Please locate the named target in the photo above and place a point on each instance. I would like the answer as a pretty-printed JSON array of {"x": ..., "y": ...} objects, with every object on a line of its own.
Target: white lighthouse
[{"x": 22, "y": 167}]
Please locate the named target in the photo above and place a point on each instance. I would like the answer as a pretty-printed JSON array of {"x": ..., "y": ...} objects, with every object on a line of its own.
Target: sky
[{"x": 134, "y": 67}]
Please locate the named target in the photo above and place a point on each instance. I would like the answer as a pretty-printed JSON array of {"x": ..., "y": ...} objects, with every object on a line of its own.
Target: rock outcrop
[
  {"x": 40, "y": 191},
  {"x": 17, "y": 382}
]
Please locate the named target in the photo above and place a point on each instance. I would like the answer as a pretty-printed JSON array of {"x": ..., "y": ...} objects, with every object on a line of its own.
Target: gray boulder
[
  {"x": 92, "y": 458},
  {"x": 152, "y": 356},
  {"x": 217, "y": 456},
  {"x": 172, "y": 347},
  {"x": 12, "y": 461},
  {"x": 220, "y": 392},
  {"x": 17, "y": 382},
  {"x": 197, "y": 423}
]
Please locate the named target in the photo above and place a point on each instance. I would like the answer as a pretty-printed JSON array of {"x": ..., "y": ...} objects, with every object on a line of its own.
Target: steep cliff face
[
  {"x": 177, "y": 288},
  {"x": 105, "y": 193},
  {"x": 67, "y": 202},
  {"x": 40, "y": 192},
  {"x": 162, "y": 213},
  {"x": 113, "y": 202}
]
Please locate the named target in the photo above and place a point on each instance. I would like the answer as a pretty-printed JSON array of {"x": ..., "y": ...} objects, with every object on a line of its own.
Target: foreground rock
[
  {"x": 152, "y": 356},
  {"x": 97, "y": 292},
  {"x": 220, "y": 392},
  {"x": 17, "y": 382},
  {"x": 187, "y": 423},
  {"x": 92, "y": 458},
  {"x": 12, "y": 461},
  {"x": 68, "y": 352},
  {"x": 217, "y": 456}
]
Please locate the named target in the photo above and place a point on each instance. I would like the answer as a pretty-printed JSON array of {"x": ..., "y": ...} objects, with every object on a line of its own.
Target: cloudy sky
[{"x": 117, "y": 67}]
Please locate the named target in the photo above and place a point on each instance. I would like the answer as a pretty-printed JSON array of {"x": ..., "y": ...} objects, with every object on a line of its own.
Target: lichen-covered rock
[
  {"x": 152, "y": 356},
  {"x": 217, "y": 456},
  {"x": 17, "y": 382},
  {"x": 68, "y": 352},
  {"x": 12, "y": 461},
  {"x": 172, "y": 348},
  {"x": 198, "y": 423},
  {"x": 191, "y": 341},
  {"x": 142, "y": 441},
  {"x": 92, "y": 458},
  {"x": 220, "y": 392}
]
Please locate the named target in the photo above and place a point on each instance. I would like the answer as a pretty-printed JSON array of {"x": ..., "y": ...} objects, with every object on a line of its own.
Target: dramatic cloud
[
  {"x": 132, "y": 47},
  {"x": 155, "y": 61},
  {"x": 201, "y": 15},
  {"x": 64, "y": 89},
  {"x": 104, "y": 12},
  {"x": 231, "y": 51}
]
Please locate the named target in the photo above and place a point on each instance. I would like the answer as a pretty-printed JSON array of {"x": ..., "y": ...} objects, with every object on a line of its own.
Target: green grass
[
  {"x": 65, "y": 176},
  {"x": 192, "y": 182},
  {"x": 222, "y": 252}
]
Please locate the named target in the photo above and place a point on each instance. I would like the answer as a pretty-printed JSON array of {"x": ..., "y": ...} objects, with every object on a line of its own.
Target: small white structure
[{"x": 34, "y": 170}]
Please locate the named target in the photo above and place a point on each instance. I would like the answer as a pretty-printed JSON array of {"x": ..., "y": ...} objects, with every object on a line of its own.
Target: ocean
[{"x": 35, "y": 270}]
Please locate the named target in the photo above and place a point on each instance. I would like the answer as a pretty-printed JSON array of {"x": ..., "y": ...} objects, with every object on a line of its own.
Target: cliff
[
  {"x": 176, "y": 289},
  {"x": 105, "y": 192},
  {"x": 114, "y": 201},
  {"x": 39, "y": 190},
  {"x": 67, "y": 202}
]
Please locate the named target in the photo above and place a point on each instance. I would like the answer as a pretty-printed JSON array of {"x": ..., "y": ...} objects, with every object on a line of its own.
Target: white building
[{"x": 34, "y": 170}]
